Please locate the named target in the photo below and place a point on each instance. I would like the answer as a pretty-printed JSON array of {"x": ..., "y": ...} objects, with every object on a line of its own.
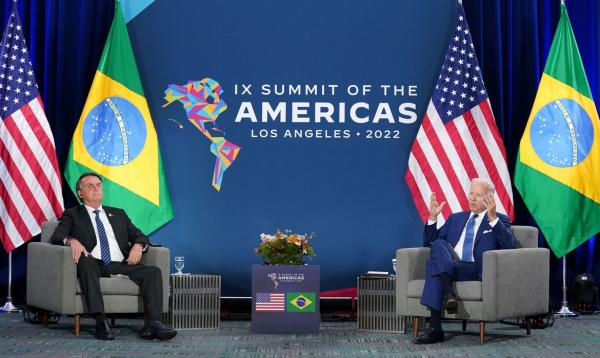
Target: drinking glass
[{"x": 179, "y": 264}]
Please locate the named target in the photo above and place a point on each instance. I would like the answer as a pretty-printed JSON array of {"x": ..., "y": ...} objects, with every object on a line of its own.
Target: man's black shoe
[
  {"x": 103, "y": 331},
  {"x": 430, "y": 336},
  {"x": 146, "y": 333},
  {"x": 157, "y": 330},
  {"x": 450, "y": 303}
]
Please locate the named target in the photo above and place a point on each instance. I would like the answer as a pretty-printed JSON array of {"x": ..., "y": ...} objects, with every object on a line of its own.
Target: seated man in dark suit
[
  {"x": 104, "y": 242},
  {"x": 457, "y": 251}
]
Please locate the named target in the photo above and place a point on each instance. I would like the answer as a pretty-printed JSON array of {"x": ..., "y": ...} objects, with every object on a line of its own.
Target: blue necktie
[
  {"x": 467, "y": 251},
  {"x": 104, "y": 248}
]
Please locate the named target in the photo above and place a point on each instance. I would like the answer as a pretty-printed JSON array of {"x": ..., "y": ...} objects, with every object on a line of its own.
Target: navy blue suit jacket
[{"x": 487, "y": 238}]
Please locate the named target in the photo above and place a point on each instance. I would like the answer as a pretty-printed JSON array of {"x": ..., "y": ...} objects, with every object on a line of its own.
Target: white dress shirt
[{"x": 115, "y": 251}]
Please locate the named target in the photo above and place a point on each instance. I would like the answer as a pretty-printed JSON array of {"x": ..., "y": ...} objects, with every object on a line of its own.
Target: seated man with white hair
[{"x": 457, "y": 251}]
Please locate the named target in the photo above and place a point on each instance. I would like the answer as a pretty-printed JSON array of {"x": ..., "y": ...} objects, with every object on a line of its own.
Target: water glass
[{"x": 179, "y": 264}]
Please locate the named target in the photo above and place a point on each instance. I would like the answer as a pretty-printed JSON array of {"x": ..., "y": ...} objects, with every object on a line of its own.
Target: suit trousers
[
  {"x": 148, "y": 278},
  {"x": 443, "y": 259}
]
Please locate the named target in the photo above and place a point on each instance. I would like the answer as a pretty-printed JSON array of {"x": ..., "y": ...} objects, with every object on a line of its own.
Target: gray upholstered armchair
[
  {"x": 52, "y": 283},
  {"x": 514, "y": 284}
]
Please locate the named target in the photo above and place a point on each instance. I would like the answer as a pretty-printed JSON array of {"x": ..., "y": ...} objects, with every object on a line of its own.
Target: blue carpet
[{"x": 572, "y": 336}]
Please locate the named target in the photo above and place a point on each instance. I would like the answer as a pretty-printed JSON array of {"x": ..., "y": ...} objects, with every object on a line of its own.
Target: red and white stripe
[
  {"x": 445, "y": 158},
  {"x": 30, "y": 184},
  {"x": 276, "y": 304}
]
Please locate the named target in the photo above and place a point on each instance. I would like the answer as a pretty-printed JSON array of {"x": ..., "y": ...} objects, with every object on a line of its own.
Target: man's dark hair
[{"x": 88, "y": 174}]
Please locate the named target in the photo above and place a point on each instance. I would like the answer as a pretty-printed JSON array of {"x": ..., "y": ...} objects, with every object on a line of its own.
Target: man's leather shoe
[
  {"x": 158, "y": 330},
  {"x": 146, "y": 333},
  {"x": 103, "y": 331},
  {"x": 430, "y": 336},
  {"x": 450, "y": 303}
]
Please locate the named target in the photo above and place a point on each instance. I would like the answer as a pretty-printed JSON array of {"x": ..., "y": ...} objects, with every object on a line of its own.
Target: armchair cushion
[
  {"x": 116, "y": 285},
  {"x": 465, "y": 290}
]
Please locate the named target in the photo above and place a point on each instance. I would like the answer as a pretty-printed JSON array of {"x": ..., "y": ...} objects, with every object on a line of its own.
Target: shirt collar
[
  {"x": 90, "y": 210},
  {"x": 479, "y": 217}
]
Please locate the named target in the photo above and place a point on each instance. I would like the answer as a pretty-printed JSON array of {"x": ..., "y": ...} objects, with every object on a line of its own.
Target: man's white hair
[{"x": 491, "y": 187}]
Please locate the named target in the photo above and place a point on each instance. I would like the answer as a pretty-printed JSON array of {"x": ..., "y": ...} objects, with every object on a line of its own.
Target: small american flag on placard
[
  {"x": 270, "y": 302},
  {"x": 30, "y": 187},
  {"x": 458, "y": 139}
]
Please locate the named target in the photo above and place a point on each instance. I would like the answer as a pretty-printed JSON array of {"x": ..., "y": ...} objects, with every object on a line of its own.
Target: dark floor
[{"x": 568, "y": 336}]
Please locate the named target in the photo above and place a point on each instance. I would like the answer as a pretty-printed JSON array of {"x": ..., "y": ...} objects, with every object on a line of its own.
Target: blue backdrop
[{"x": 350, "y": 191}]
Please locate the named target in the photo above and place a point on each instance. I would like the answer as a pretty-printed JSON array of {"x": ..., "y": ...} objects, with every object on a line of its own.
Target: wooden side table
[{"x": 194, "y": 302}]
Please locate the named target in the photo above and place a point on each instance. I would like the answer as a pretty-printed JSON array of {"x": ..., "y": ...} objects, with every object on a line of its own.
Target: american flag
[
  {"x": 30, "y": 186},
  {"x": 270, "y": 302},
  {"x": 458, "y": 139}
]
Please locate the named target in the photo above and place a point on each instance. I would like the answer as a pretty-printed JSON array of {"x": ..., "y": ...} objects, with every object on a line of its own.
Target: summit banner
[{"x": 277, "y": 115}]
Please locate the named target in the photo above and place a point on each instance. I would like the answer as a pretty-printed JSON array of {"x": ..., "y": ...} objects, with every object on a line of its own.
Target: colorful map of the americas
[{"x": 203, "y": 105}]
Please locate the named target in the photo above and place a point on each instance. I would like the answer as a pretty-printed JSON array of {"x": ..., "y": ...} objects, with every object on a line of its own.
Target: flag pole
[
  {"x": 8, "y": 306},
  {"x": 564, "y": 310}
]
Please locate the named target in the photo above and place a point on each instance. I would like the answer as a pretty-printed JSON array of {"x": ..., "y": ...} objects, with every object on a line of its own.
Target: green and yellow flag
[
  {"x": 558, "y": 166},
  {"x": 115, "y": 137},
  {"x": 301, "y": 302}
]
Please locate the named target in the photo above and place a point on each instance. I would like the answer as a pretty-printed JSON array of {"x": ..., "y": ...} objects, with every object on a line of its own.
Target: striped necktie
[
  {"x": 104, "y": 248},
  {"x": 467, "y": 251}
]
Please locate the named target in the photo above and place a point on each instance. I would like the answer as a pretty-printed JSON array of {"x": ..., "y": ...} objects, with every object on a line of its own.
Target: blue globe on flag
[
  {"x": 114, "y": 132},
  {"x": 562, "y": 133},
  {"x": 300, "y": 302}
]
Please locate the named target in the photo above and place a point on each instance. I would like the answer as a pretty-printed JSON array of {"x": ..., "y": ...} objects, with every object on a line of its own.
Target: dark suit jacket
[
  {"x": 487, "y": 238},
  {"x": 76, "y": 223}
]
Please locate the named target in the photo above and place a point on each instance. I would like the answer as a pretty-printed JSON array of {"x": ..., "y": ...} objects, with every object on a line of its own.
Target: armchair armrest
[
  {"x": 161, "y": 258},
  {"x": 515, "y": 283},
  {"x": 51, "y": 278},
  {"x": 410, "y": 265}
]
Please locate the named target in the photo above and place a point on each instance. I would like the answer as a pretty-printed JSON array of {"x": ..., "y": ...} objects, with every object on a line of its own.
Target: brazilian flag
[
  {"x": 115, "y": 137},
  {"x": 558, "y": 168},
  {"x": 301, "y": 302}
]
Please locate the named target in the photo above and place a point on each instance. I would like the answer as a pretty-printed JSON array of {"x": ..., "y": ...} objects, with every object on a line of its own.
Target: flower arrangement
[{"x": 285, "y": 248}]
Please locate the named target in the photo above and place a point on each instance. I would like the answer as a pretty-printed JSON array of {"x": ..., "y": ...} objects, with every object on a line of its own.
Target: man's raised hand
[
  {"x": 434, "y": 208},
  {"x": 490, "y": 204}
]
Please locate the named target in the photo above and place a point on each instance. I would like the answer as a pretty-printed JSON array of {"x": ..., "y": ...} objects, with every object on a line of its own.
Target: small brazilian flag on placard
[
  {"x": 558, "y": 166},
  {"x": 115, "y": 137},
  {"x": 301, "y": 302}
]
